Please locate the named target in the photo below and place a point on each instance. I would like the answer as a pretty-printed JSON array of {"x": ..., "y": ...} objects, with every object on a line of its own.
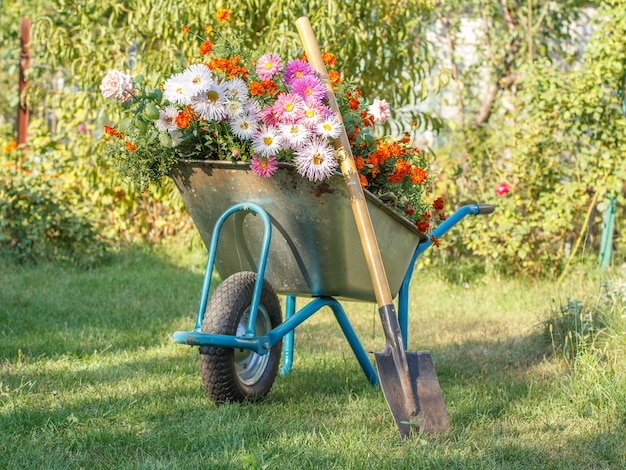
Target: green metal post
[{"x": 608, "y": 222}]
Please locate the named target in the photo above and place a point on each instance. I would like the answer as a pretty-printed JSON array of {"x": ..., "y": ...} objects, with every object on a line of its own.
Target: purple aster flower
[
  {"x": 309, "y": 86},
  {"x": 264, "y": 167},
  {"x": 295, "y": 69},
  {"x": 268, "y": 65}
]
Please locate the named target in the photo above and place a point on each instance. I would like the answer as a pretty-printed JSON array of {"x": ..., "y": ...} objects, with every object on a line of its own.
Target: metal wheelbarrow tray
[{"x": 315, "y": 248}]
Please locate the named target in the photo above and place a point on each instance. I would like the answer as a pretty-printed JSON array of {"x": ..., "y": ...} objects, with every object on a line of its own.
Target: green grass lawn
[{"x": 89, "y": 378}]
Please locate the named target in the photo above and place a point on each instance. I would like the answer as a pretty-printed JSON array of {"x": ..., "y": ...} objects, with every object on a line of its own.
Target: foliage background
[{"x": 533, "y": 109}]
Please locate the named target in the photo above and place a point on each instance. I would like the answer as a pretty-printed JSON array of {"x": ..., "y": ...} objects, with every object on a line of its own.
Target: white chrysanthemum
[
  {"x": 174, "y": 90},
  {"x": 329, "y": 127},
  {"x": 243, "y": 126},
  {"x": 167, "y": 119},
  {"x": 233, "y": 108},
  {"x": 177, "y": 137},
  {"x": 316, "y": 160},
  {"x": 210, "y": 105},
  {"x": 236, "y": 89},
  {"x": 267, "y": 141},
  {"x": 197, "y": 79},
  {"x": 296, "y": 135}
]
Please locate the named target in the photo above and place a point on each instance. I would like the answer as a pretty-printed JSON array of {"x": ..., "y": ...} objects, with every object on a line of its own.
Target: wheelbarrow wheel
[{"x": 235, "y": 375}]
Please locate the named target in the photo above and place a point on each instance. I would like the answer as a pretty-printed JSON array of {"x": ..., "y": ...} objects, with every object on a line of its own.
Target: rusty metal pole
[{"x": 22, "y": 108}]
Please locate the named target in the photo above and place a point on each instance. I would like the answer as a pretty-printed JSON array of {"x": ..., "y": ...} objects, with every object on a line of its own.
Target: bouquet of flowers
[{"x": 233, "y": 105}]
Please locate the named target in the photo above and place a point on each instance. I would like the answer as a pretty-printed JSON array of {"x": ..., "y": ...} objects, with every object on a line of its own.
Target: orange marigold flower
[
  {"x": 406, "y": 138},
  {"x": 255, "y": 88},
  {"x": 354, "y": 104},
  {"x": 8, "y": 148},
  {"x": 418, "y": 175},
  {"x": 328, "y": 58},
  {"x": 438, "y": 204},
  {"x": 185, "y": 29},
  {"x": 222, "y": 15},
  {"x": 362, "y": 180},
  {"x": 269, "y": 86},
  {"x": 205, "y": 48},
  {"x": 208, "y": 29},
  {"x": 108, "y": 130},
  {"x": 334, "y": 77},
  {"x": 435, "y": 241},
  {"x": 190, "y": 113},
  {"x": 366, "y": 118},
  {"x": 425, "y": 216},
  {"x": 402, "y": 169},
  {"x": 130, "y": 146},
  {"x": 442, "y": 216},
  {"x": 229, "y": 66},
  {"x": 422, "y": 226},
  {"x": 182, "y": 120},
  {"x": 359, "y": 162}
]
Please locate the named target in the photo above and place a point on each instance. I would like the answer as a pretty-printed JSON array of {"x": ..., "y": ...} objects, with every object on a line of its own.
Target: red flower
[
  {"x": 502, "y": 189},
  {"x": 422, "y": 226},
  {"x": 438, "y": 204}
]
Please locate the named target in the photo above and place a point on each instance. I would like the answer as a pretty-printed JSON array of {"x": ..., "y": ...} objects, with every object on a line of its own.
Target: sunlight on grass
[{"x": 89, "y": 378}]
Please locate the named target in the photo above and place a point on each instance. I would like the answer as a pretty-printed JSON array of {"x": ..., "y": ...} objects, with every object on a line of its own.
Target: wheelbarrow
[{"x": 294, "y": 237}]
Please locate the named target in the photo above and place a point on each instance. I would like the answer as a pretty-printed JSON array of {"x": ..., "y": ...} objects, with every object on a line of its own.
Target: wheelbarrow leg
[{"x": 290, "y": 309}]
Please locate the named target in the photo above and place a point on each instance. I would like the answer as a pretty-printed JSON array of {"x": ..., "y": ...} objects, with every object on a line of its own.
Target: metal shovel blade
[{"x": 432, "y": 415}]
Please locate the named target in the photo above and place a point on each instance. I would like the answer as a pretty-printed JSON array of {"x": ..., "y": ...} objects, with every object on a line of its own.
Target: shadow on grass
[{"x": 133, "y": 301}]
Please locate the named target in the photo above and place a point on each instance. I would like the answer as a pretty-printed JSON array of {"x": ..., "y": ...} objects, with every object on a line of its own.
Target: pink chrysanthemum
[
  {"x": 269, "y": 116},
  {"x": 316, "y": 160},
  {"x": 380, "y": 109},
  {"x": 264, "y": 167},
  {"x": 268, "y": 65},
  {"x": 313, "y": 112},
  {"x": 288, "y": 108},
  {"x": 309, "y": 87},
  {"x": 295, "y": 69}
]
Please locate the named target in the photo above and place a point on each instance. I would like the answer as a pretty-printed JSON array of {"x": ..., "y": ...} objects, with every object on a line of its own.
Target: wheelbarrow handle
[
  {"x": 451, "y": 221},
  {"x": 485, "y": 208}
]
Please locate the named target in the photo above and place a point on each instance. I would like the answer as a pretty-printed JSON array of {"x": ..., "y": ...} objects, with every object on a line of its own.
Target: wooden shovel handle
[{"x": 350, "y": 172}]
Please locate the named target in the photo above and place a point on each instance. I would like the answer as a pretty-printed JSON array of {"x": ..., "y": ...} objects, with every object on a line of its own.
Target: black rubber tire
[{"x": 239, "y": 375}]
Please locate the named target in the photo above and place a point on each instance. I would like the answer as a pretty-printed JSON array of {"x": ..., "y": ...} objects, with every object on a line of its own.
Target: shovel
[{"x": 408, "y": 379}]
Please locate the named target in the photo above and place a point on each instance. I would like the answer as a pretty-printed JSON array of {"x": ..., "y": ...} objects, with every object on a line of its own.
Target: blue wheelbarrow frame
[{"x": 262, "y": 344}]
